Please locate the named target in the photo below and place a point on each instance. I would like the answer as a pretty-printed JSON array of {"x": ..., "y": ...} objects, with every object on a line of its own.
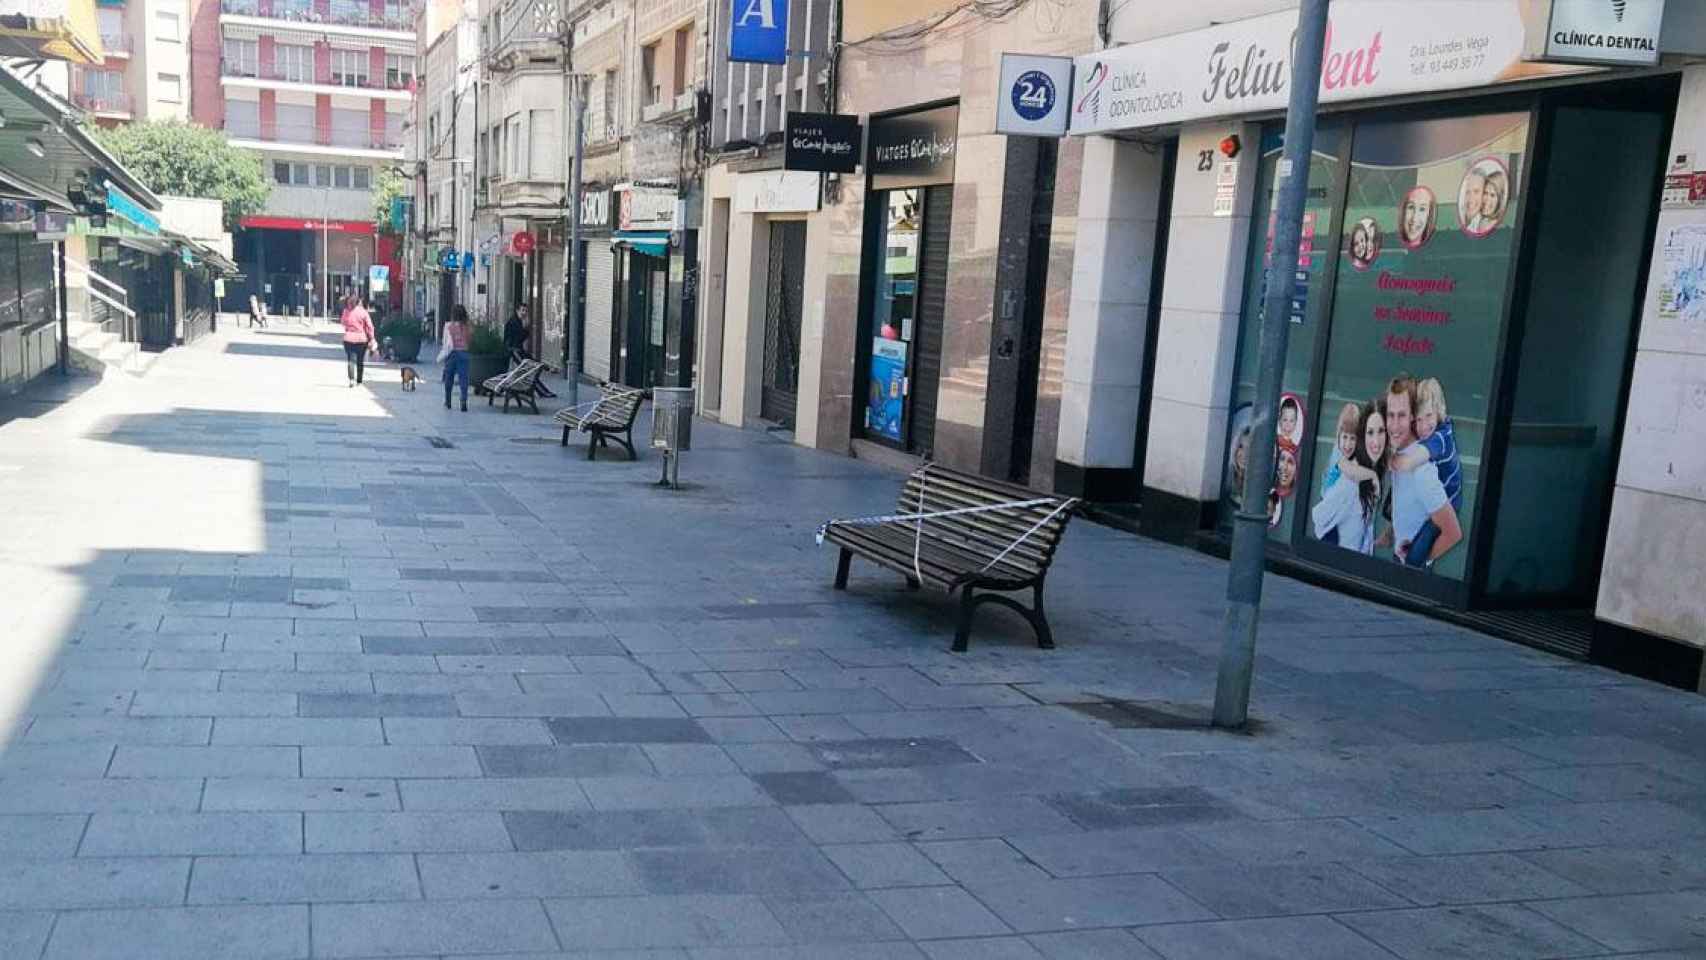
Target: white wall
[{"x": 1654, "y": 557}]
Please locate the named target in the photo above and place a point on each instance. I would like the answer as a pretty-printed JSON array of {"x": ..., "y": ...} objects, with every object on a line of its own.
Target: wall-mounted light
[
  {"x": 35, "y": 148},
  {"x": 1230, "y": 145}
]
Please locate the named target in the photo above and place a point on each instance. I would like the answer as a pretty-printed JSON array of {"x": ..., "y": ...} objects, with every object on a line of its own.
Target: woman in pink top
[
  {"x": 358, "y": 337},
  {"x": 454, "y": 354}
]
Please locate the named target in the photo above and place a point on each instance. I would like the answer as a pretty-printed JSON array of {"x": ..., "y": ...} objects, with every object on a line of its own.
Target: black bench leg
[
  {"x": 592, "y": 444},
  {"x": 968, "y": 606},
  {"x": 533, "y": 401},
  {"x": 627, "y": 440},
  {"x": 1039, "y": 620},
  {"x": 842, "y": 566},
  {"x": 506, "y": 401},
  {"x": 565, "y": 436}
]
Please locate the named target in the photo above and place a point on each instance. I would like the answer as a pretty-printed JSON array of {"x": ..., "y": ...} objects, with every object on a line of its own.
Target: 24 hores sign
[
  {"x": 1616, "y": 32},
  {"x": 1375, "y": 48}
]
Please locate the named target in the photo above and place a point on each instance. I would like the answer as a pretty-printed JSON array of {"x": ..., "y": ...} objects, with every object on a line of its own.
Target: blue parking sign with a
[
  {"x": 1029, "y": 103},
  {"x": 758, "y": 31}
]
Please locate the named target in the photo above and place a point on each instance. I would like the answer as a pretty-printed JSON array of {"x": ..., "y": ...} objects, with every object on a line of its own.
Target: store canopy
[
  {"x": 654, "y": 243},
  {"x": 45, "y": 154},
  {"x": 51, "y": 30}
]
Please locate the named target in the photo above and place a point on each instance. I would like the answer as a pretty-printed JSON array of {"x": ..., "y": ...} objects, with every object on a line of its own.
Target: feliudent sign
[
  {"x": 1377, "y": 48},
  {"x": 1616, "y": 32}
]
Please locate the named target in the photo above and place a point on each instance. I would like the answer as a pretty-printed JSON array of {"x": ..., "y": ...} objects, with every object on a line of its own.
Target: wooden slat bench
[
  {"x": 1006, "y": 545},
  {"x": 521, "y": 387},
  {"x": 610, "y": 418},
  {"x": 493, "y": 384}
]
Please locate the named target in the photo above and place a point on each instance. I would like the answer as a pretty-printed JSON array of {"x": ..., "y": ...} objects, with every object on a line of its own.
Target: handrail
[
  {"x": 109, "y": 301},
  {"x": 72, "y": 263}
]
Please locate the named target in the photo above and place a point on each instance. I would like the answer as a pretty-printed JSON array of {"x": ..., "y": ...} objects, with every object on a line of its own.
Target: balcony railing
[
  {"x": 102, "y": 102},
  {"x": 353, "y": 81},
  {"x": 116, "y": 43},
  {"x": 348, "y": 13},
  {"x": 286, "y": 134}
]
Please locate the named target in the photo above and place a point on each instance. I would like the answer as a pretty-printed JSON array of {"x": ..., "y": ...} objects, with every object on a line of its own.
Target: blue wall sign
[
  {"x": 449, "y": 259},
  {"x": 1033, "y": 95},
  {"x": 758, "y": 31}
]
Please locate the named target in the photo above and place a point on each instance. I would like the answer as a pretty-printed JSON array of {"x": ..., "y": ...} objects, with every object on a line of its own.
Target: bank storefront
[{"x": 1463, "y": 315}]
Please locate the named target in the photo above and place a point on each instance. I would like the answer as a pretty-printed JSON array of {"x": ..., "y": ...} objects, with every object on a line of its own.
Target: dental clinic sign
[
  {"x": 1616, "y": 32},
  {"x": 1377, "y": 48},
  {"x": 758, "y": 31}
]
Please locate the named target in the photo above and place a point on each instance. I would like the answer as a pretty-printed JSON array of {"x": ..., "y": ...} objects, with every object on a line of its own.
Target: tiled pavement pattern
[{"x": 287, "y": 681}]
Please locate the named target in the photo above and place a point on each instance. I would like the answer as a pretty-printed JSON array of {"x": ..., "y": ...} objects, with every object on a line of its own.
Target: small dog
[{"x": 410, "y": 378}]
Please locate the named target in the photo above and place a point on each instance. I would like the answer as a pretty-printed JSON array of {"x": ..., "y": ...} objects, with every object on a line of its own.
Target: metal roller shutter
[
  {"x": 600, "y": 297},
  {"x": 932, "y": 298}
]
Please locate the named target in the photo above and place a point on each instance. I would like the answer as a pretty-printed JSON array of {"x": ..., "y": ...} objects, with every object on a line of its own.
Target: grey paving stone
[
  {"x": 247, "y": 761},
  {"x": 427, "y": 646},
  {"x": 737, "y": 870},
  {"x": 177, "y": 703},
  {"x": 1491, "y": 931},
  {"x": 43, "y": 836},
  {"x": 465, "y": 730},
  {"x": 1038, "y": 905},
  {"x": 320, "y": 878},
  {"x": 155, "y": 730},
  {"x": 443, "y": 926},
  {"x": 1104, "y": 852},
  {"x": 772, "y": 757},
  {"x": 975, "y": 818},
  {"x": 1288, "y": 938},
  {"x": 459, "y": 832},
  {"x": 435, "y": 761},
  {"x": 879, "y": 753},
  {"x": 1092, "y": 945},
  {"x": 554, "y": 873},
  {"x": 512, "y": 794},
  {"x": 299, "y": 794},
  {"x": 624, "y": 829},
  {"x": 1141, "y": 807},
  {"x": 183, "y": 933},
  {"x": 1472, "y": 878},
  {"x": 296, "y": 682},
  {"x": 1623, "y": 869},
  {"x": 688, "y": 759},
  {"x": 681, "y": 921},
  {"x": 718, "y": 705},
  {"x": 75, "y": 759},
  {"x": 646, "y": 793},
  {"x": 821, "y": 701},
  {"x": 644, "y": 705},
  {"x": 157, "y": 834},
  {"x": 583, "y": 684},
  {"x": 1610, "y": 782},
  {"x": 585, "y": 760},
  {"x": 596, "y": 729},
  {"x": 1296, "y": 841},
  {"x": 366, "y": 663},
  {"x": 299, "y": 731},
  {"x": 1640, "y": 921},
  {"x": 875, "y": 865},
  {"x": 81, "y": 703},
  {"x": 377, "y": 705},
  {"x": 411, "y": 684},
  {"x": 1269, "y": 891},
  {"x": 841, "y": 823},
  {"x": 831, "y": 917},
  {"x": 24, "y": 934},
  {"x": 88, "y": 882},
  {"x": 933, "y": 913},
  {"x": 219, "y": 660},
  {"x": 795, "y": 789},
  {"x": 983, "y": 948},
  {"x": 529, "y": 705},
  {"x": 982, "y": 861},
  {"x": 59, "y": 795},
  {"x": 883, "y": 950},
  {"x": 103, "y": 678}
]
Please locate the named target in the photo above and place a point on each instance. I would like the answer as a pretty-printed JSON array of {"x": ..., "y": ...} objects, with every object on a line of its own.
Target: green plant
[
  {"x": 485, "y": 340},
  {"x": 403, "y": 326},
  {"x": 389, "y": 186},
  {"x": 187, "y": 160}
]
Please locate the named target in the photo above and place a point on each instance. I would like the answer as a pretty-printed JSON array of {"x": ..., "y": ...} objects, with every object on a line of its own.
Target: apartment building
[
  {"x": 322, "y": 89},
  {"x": 145, "y": 74},
  {"x": 441, "y": 145}
]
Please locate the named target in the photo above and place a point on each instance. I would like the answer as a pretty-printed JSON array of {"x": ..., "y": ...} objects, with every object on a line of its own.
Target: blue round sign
[{"x": 1033, "y": 95}]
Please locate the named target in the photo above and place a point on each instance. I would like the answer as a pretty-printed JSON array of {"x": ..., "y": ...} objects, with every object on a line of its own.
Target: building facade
[
  {"x": 1467, "y": 424},
  {"x": 322, "y": 89},
  {"x": 146, "y": 71},
  {"x": 441, "y": 144}
]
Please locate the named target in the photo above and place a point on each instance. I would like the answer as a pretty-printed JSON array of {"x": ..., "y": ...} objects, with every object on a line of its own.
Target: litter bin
[{"x": 672, "y": 428}]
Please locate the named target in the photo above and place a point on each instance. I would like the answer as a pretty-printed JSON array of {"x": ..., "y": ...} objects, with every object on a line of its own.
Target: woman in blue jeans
[{"x": 454, "y": 354}]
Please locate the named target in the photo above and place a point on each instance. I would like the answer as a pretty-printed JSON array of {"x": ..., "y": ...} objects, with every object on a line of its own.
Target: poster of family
[{"x": 1426, "y": 245}]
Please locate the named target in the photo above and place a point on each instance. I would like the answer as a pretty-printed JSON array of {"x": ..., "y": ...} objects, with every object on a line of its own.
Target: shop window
[
  {"x": 340, "y": 178},
  {"x": 281, "y": 173},
  {"x": 894, "y": 311},
  {"x": 322, "y": 175}
]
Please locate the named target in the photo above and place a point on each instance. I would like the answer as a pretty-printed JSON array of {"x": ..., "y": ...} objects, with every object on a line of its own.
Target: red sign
[
  {"x": 522, "y": 243},
  {"x": 297, "y": 223}
]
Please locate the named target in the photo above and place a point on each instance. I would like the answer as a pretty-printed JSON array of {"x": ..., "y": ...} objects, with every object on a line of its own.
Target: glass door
[{"x": 894, "y": 315}]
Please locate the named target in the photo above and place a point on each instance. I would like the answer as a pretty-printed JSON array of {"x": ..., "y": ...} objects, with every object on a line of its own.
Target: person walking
[
  {"x": 257, "y": 313},
  {"x": 453, "y": 353},
  {"x": 358, "y": 337}
]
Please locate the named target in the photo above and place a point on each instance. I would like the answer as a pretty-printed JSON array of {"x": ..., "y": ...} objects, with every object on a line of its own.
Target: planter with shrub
[
  {"x": 405, "y": 334},
  {"x": 487, "y": 356}
]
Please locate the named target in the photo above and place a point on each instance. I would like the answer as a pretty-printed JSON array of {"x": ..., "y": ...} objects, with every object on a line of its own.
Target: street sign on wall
[
  {"x": 758, "y": 31},
  {"x": 1619, "y": 32},
  {"x": 1032, "y": 99}
]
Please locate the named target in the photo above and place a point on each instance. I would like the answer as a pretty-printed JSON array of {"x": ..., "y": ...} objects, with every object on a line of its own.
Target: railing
[
  {"x": 280, "y": 75},
  {"x": 285, "y": 134},
  {"x": 102, "y": 102},
  {"x": 107, "y": 301},
  {"x": 340, "y": 12},
  {"x": 120, "y": 43}
]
